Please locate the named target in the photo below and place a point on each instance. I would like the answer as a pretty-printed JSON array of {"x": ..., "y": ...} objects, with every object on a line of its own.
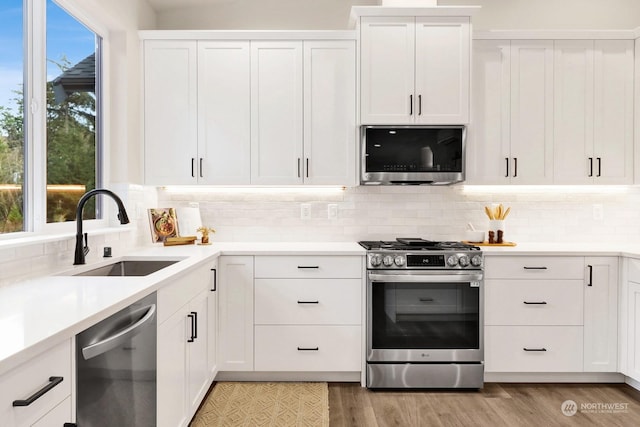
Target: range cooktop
[{"x": 416, "y": 244}]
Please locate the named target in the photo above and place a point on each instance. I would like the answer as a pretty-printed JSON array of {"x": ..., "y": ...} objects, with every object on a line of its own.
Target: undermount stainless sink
[{"x": 128, "y": 268}]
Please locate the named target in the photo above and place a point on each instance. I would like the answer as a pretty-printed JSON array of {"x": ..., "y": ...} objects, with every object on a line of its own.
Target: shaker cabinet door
[
  {"x": 276, "y": 112},
  {"x": 170, "y": 112},
  {"x": 224, "y": 116},
  {"x": 387, "y": 69}
]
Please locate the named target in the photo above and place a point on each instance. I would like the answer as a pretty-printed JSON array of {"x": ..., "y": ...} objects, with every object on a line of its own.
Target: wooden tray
[{"x": 489, "y": 244}]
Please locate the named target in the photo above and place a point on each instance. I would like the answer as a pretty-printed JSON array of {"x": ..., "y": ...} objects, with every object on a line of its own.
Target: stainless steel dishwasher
[{"x": 116, "y": 369}]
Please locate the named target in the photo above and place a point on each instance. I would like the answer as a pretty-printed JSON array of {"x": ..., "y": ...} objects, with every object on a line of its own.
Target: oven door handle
[{"x": 421, "y": 277}]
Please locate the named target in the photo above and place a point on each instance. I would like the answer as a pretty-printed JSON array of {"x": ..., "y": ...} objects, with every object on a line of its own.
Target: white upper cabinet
[
  {"x": 613, "y": 118},
  {"x": 593, "y": 112},
  {"x": 224, "y": 112},
  {"x": 511, "y": 133},
  {"x": 276, "y": 112},
  {"x": 488, "y": 136},
  {"x": 330, "y": 112},
  {"x": 531, "y": 112},
  {"x": 415, "y": 70},
  {"x": 238, "y": 112},
  {"x": 170, "y": 112}
]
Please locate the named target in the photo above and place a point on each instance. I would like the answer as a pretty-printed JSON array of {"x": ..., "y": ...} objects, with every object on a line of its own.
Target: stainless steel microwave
[{"x": 406, "y": 155}]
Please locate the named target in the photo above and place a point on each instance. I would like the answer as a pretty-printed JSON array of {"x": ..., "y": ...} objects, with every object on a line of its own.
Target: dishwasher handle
[{"x": 102, "y": 346}]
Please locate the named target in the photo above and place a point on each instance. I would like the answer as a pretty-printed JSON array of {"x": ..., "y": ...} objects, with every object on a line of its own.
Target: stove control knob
[
  {"x": 387, "y": 261},
  {"x": 476, "y": 261},
  {"x": 375, "y": 260},
  {"x": 464, "y": 261},
  {"x": 399, "y": 261},
  {"x": 452, "y": 261}
]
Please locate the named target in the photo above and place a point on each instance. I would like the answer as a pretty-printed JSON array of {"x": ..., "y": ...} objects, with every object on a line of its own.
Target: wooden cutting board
[{"x": 489, "y": 244}]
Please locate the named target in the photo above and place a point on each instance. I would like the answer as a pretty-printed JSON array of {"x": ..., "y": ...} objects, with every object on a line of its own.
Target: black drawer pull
[
  {"x": 53, "y": 381},
  {"x": 425, "y": 299},
  {"x": 535, "y": 268},
  {"x": 308, "y": 266},
  {"x": 215, "y": 279},
  {"x": 534, "y": 349},
  {"x": 308, "y": 302},
  {"x": 535, "y": 302},
  {"x": 308, "y": 348}
]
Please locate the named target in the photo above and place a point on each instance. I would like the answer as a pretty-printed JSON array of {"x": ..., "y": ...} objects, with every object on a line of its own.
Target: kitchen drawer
[
  {"x": 296, "y": 267},
  {"x": 533, "y": 267},
  {"x": 505, "y": 348},
  {"x": 308, "y": 348},
  {"x": 174, "y": 296},
  {"x": 33, "y": 375},
  {"x": 308, "y": 301},
  {"x": 506, "y": 302}
]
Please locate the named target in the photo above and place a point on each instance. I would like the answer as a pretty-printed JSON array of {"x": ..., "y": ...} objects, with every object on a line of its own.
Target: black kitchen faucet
[{"x": 82, "y": 248}]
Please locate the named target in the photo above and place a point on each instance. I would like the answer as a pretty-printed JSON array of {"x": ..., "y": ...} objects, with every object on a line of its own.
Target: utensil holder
[{"x": 496, "y": 231}]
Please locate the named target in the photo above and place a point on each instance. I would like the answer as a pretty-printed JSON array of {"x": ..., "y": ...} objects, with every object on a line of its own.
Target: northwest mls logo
[{"x": 569, "y": 408}]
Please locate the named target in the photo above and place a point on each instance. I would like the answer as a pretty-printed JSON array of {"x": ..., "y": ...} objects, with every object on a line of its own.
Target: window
[
  {"x": 70, "y": 134},
  {"x": 11, "y": 116},
  {"x": 73, "y": 55}
]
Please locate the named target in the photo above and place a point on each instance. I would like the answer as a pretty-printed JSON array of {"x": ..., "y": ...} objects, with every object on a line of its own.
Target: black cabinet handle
[
  {"x": 193, "y": 166},
  {"x": 507, "y": 160},
  {"x": 419, "y": 105},
  {"x": 308, "y": 302},
  {"x": 308, "y": 348},
  {"x": 307, "y": 172},
  {"x": 590, "y": 166},
  {"x": 515, "y": 167},
  {"x": 411, "y": 105},
  {"x": 195, "y": 324},
  {"x": 193, "y": 337},
  {"x": 534, "y": 349},
  {"x": 53, "y": 381},
  {"x": 599, "y": 166},
  {"x": 590, "y": 267},
  {"x": 535, "y": 268},
  {"x": 215, "y": 279},
  {"x": 308, "y": 266},
  {"x": 425, "y": 299},
  {"x": 535, "y": 302},
  {"x": 201, "y": 176},
  {"x": 298, "y": 167}
]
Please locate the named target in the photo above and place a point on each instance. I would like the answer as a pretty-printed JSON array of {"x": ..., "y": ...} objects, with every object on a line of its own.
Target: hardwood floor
[{"x": 498, "y": 404}]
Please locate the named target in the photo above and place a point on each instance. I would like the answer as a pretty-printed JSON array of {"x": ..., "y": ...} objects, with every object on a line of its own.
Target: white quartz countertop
[
  {"x": 38, "y": 313},
  {"x": 565, "y": 249}
]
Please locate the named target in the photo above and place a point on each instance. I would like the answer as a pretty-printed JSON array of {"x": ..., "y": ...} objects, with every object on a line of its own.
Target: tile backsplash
[
  {"x": 538, "y": 214},
  {"x": 542, "y": 214}
]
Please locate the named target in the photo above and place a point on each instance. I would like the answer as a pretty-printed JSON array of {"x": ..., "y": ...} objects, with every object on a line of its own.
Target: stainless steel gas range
[{"x": 424, "y": 314}]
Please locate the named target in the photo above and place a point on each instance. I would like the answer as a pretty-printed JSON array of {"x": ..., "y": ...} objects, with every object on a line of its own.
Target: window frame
[{"x": 35, "y": 120}]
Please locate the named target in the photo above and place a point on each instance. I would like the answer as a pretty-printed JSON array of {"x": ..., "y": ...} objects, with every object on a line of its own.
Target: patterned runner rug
[{"x": 281, "y": 404}]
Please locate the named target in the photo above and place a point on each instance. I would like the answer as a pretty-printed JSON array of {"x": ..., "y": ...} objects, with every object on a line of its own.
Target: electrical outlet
[
  {"x": 305, "y": 211},
  {"x": 598, "y": 212},
  {"x": 332, "y": 211}
]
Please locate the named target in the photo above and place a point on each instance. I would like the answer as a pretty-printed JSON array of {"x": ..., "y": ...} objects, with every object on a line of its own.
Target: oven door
[{"x": 425, "y": 316}]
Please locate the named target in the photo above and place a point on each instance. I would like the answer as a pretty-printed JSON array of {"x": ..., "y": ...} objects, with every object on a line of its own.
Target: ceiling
[{"x": 160, "y": 5}]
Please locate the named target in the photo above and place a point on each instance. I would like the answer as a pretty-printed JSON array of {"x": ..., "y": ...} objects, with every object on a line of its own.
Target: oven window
[
  {"x": 425, "y": 316},
  {"x": 413, "y": 150}
]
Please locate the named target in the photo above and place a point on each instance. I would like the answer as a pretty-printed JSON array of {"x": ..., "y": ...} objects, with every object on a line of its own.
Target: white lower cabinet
[
  {"x": 235, "y": 313},
  {"x": 630, "y": 321},
  {"x": 551, "y": 314},
  {"x": 290, "y": 314},
  {"x": 183, "y": 373},
  {"x": 212, "y": 327},
  {"x": 49, "y": 370}
]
